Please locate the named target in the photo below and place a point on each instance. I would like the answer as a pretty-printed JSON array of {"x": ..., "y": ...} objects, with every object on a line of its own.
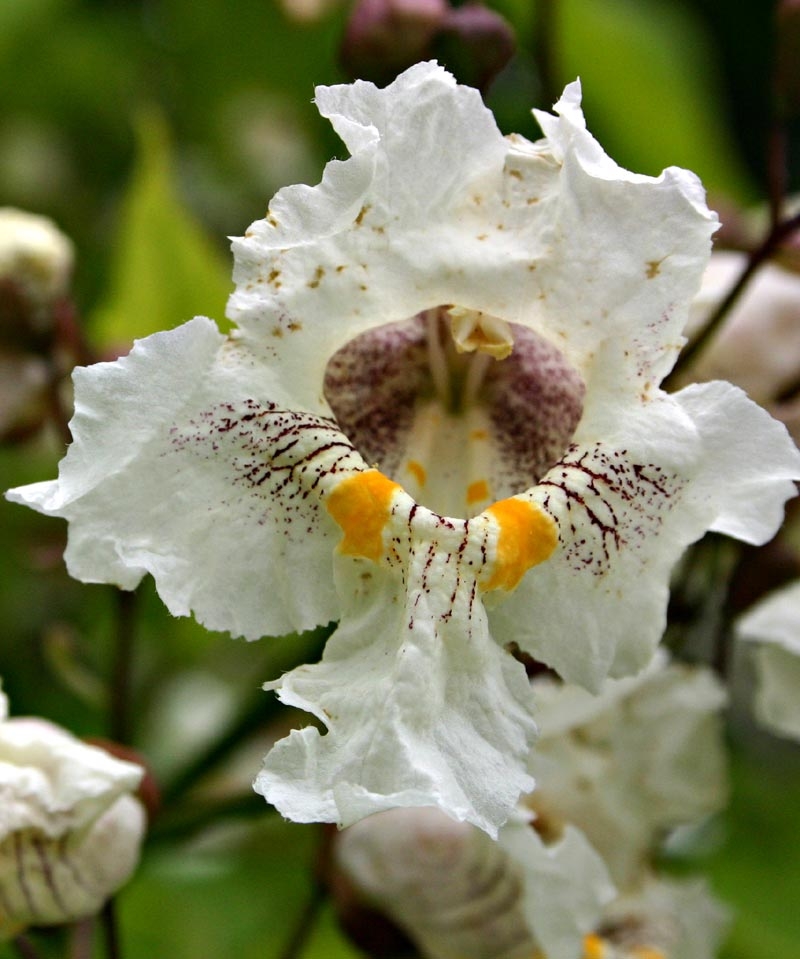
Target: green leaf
[
  {"x": 652, "y": 94},
  {"x": 165, "y": 270}
]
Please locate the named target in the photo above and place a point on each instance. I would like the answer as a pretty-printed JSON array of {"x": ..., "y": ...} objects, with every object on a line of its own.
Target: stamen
[
  {"x": 476, "y": 374},
  {"x": 437, "y": 357},
  {"x": 473, "y": 330}
]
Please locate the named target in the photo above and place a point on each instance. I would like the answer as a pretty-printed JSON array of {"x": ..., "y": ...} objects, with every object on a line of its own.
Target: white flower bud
[
  {"x": 70, "y": 828},
  {"x": 35, "y": 256}
]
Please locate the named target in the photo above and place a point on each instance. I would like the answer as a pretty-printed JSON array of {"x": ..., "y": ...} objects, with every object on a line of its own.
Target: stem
[
  {"x": 756, "y": 258},
  {"x": 82, "y": 939},
  {"x": 25, "y": 948},
  {"x": 261, "y": 709},
  {"x": 119, "y": 706},
  {"x": 174, "y": 826},
  {"x": 304, "y": 924},
  {"x": 108, "y": 918}
]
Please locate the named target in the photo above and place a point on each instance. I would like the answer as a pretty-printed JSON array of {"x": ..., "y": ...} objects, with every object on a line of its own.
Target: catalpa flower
[{"x": 439, "y": 423}]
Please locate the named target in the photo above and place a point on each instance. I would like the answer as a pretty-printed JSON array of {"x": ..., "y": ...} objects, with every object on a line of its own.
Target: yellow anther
[
  {"x": 361, "y": 505},
  {"x": 473, "y": 330},
  {"x": 527, "y": 536},
  {"x": 645, "y": 952}
]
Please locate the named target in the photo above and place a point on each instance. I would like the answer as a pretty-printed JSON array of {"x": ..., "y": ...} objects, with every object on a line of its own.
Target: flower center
[{"x": 458, "y": 407}]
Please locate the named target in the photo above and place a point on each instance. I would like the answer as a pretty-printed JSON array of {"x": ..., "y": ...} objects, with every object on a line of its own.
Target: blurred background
[{"x": 150, "y": 131}]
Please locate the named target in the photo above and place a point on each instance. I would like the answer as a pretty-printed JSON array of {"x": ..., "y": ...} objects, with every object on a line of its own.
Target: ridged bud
[{"x": 70, "y": 827}]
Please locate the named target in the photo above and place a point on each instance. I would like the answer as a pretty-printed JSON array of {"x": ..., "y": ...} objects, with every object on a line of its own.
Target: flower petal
[
  {"x": 566, "y": 886},
  {"x": 422, "y": 708},
  {"x": 188, "y": 463},
  {"x": 435, "y": 207},
  {"x": 773, "y": 629},
  {"x": 626, "y": 507}
]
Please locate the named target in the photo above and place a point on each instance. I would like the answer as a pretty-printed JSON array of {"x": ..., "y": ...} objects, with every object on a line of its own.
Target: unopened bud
[
  {"x": 384, "y": 37},
  {"x": 35, "y": 264},
  {"x": 70, "y": 830},
  {"x": 475, "y": 43}
]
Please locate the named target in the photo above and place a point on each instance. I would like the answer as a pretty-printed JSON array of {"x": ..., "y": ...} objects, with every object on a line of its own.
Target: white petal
[
  {"x": 773, "y": 630},
  {"x": 566, "y": 886},
  {"x": 52, "y": 783},
  {"x": 435, "y": 207},
  {"x": 189, "y": 463},
  {"x": 53, "y": 881},
  {"x": 627, "y": 505},
  {"x": 626, "y": 766},
  {"x": 750, "y": 464},
  {"x": 421, "y": 707}
]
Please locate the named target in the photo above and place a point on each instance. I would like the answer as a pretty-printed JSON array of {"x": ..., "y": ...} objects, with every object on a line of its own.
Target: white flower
[
  {"x": 772, "y": 629},
  {"x": 360, "y": 449},
  {"x": 663, "y": 919},
  {"x": 459, "y": 895},
  {"x": 70, "y": 827},
  {"x": 625, "y": 767},
  {"x": 35, "y": 255}
]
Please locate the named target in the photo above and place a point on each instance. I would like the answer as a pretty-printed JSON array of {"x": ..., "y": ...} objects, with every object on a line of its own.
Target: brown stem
[
  {"x": 762, "y": 253},
  {"x": 304, "y": 924},
  {"x": 25, "y": 948},
  {"x": 120, "y": 692},
  {"x": 108, "y": 918}
]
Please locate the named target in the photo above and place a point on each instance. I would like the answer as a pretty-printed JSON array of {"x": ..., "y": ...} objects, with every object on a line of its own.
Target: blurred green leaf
[
  {"x": 165, "y": 269},
  {"x": 652, "y": 93},
  {"x": 757, "y": 871},
  {"x": 236, "y": 894}
]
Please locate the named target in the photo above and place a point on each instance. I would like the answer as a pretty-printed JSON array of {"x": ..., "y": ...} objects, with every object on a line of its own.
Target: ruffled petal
[
  {"x": 189, "y": 463},
  {"x": 435, "y": 207},
  {"x": 421, "y": 707},
  {"x": 626, "y": 506}
]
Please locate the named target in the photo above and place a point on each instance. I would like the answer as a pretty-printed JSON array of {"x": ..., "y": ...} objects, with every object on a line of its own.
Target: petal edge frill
[
  {"x": 422, "y": 709},
  {"x": 186, "y": 464}
]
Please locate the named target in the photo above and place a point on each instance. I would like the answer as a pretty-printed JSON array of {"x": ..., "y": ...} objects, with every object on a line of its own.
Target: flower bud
[
  {"x": 35, "y": 269},
  {"x": 475, "y": 43},
  {"x": 70, "y": 828},
  {"x": 383, "y": 37}
]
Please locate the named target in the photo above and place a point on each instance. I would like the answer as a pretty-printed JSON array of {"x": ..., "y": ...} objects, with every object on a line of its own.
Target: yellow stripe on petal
[
  {"x": 477, "y": 491},
  {"x": 527, "y": 537},
  {"x": 361, "y": 505},
  {"x": 417, "y": 470}
]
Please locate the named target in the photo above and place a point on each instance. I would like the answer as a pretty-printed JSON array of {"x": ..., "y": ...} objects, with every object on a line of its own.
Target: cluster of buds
[
  {"x": 71, "y": 825},
  {"x": 383, "y": 37},
  {"x": 615, "y": 774}
]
